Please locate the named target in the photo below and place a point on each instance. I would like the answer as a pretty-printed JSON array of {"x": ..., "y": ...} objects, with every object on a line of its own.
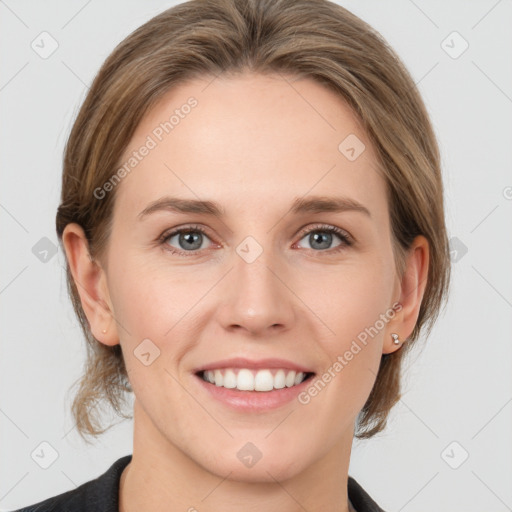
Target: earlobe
[
  {"x": 393, "y": 343},
  {"x": 90, "y": 281},
  {"x": 412, "y": 288}
]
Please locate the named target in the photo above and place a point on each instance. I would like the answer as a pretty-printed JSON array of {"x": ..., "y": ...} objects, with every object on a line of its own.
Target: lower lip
[{"x": 253, "y": 401}]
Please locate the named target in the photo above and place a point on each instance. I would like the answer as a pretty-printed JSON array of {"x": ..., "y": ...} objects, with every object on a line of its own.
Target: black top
[{"x": 102, "y": 495}]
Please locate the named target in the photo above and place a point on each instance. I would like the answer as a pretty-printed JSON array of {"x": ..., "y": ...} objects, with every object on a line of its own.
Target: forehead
[{"x": 249, "y": 141}]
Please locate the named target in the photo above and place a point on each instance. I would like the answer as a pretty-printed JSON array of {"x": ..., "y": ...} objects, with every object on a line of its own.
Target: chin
[{"x": 249, "y": 466}]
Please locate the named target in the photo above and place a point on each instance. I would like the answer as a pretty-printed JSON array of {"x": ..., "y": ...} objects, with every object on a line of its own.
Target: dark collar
[{"x": 360, "y": 499}]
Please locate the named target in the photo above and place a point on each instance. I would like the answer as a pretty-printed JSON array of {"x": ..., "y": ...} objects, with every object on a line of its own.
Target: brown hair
[{"x": 304, "y": 38}]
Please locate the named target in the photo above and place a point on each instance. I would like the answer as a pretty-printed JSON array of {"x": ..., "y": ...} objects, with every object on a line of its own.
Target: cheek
[
  {"x": 142, "y": 303},
  {"x": 144, "y": 292},
  {"x": 350, "y": 297},
  {"x": 346, "y": 297},
  {"x": 357, "y": 313}
]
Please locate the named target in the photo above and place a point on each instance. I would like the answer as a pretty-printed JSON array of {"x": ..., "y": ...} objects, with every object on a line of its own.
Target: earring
[
  {"x": 396, "y": 341},
  {"x": 104, "y": 331}
]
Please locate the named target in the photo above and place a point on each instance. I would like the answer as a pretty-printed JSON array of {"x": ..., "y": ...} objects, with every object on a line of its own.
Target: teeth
[
  {"x": 218, "y": 378},
  {"x": 250, "y": 380},
  {"x": 290, "y": 379},
  {"x": 264, "y": 381},
  {"x": 280, "y": 379},
  {"x": 229, "y": 379},
  {"x": 245, "y": 380}
]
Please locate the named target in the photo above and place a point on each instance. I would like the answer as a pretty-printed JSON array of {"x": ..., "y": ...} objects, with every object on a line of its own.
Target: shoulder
[
  {"x": 360, "y": 499},
  {"x": 98, "y": 495}
]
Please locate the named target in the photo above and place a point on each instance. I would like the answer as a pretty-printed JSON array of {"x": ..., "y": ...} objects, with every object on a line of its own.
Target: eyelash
[{"x": 346, "y": 239}]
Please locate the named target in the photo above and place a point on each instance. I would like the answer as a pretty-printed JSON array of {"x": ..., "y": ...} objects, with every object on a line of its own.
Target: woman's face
[{"x": 265, "y": 280}]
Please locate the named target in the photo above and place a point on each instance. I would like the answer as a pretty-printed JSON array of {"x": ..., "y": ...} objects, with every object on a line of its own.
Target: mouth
[
  {"x": 250, "y": 386},
  {"x": 260, "y": 380}
]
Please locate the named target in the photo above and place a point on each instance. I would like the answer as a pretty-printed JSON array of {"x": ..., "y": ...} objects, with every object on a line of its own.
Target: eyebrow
[{"x": 311, "y": 204}]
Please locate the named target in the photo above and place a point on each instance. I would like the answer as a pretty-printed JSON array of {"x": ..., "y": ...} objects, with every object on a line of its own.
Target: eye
[
  {"x": 321, "y": 237},
  {"x": 189, "y": 240}
]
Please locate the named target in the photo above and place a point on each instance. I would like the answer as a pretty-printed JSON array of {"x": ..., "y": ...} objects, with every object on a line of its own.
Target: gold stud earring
[
  {"x": 396, "y": 341},
  {"x": 104, "y": 331}
]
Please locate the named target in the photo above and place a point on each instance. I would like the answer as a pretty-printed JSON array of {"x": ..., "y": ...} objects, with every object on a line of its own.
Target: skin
[{"x": 253, "y": 144}]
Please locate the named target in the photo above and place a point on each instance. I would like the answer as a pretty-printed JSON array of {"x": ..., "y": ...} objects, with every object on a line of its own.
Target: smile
[{"x": 244, "y": 379}]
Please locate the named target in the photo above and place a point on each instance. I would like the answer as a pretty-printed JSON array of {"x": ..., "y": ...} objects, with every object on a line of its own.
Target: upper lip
[{"x": 241, "y": 362}]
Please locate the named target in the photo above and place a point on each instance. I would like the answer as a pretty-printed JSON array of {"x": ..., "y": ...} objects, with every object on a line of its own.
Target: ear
[
  {"x": 91, "y": 283},
  {"x": 411, "y": 288}
]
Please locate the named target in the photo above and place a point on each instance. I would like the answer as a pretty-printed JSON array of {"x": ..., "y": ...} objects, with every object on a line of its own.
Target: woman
[{"x": 252, "y": 215}]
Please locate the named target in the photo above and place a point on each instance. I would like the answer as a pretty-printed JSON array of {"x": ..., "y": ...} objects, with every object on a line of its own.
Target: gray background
[{"x": 458, "y": 389}]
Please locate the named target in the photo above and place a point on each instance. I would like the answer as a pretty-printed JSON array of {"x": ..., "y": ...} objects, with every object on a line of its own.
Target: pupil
[
  {"x": 318, "y": 238},
  {"x": 189, "y": 239}
]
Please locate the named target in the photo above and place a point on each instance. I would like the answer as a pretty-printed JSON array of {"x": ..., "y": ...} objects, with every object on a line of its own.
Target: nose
[{"x": 257, "y": 297}]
